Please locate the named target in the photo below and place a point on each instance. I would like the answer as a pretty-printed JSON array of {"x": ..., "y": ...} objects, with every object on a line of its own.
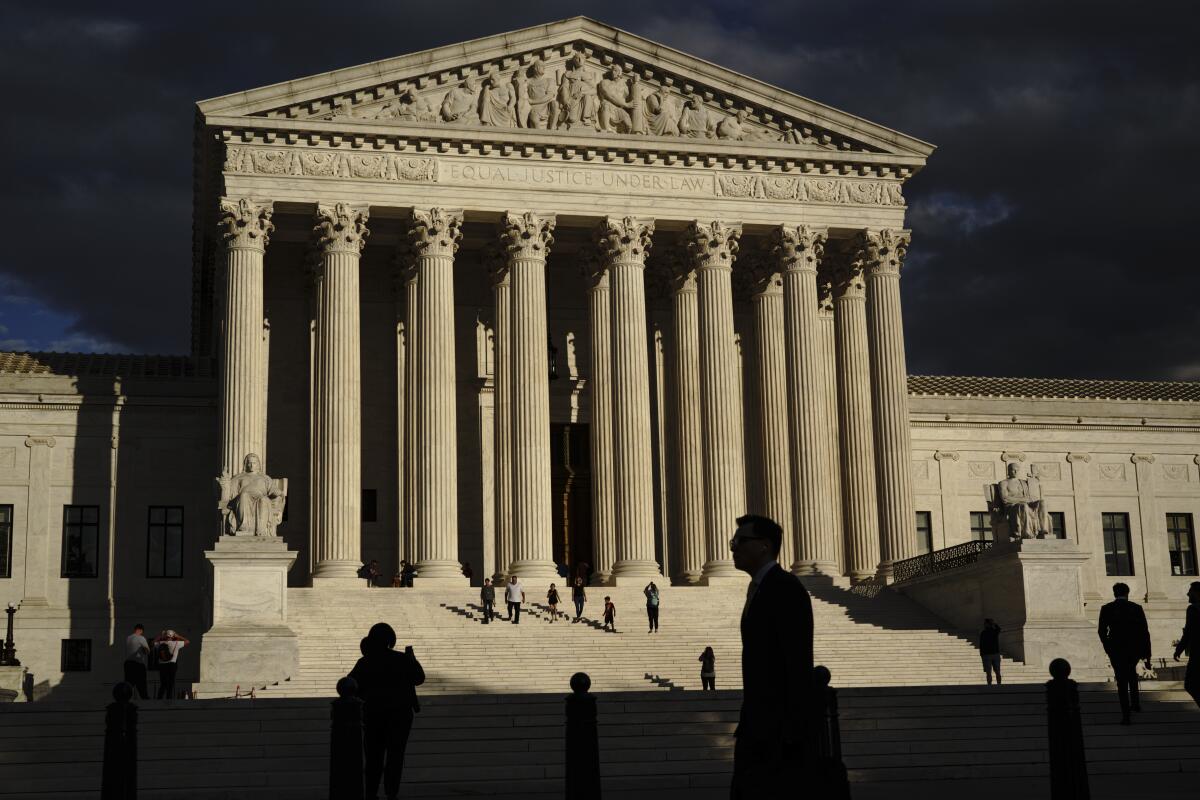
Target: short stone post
[
  {"x": 118, "y": 777},
  {"x": 1064, "y": 729},
  {"x": 583, "y": 742},
  {"x": 346, "y": 743},
  {"x": 830, "y": 768}
]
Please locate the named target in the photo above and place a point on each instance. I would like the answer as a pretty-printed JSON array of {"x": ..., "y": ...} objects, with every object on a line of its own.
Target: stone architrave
[
  {"x": 502, "y": 381},
  {"x": 883, "y": 252},
  {"x": 341, "y": 232},
  {"x": 435, "y": 235},
  {"x": 797, "y": 252},
  {"x": 766, "y": 284},
  {"x": 688, "y": 458},
  {"x": 246, "y": 228},
  {"x": 604, "y": 531},
  {"x": 860, "y": 508},
  {"x": 624, "y": 243},
  {"x": 526, "y": 238},
  {"x": 713, "y": 247}
]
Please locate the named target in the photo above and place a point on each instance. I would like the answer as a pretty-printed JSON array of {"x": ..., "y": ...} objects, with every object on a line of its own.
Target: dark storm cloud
[{"x": 1052, "y": 230}]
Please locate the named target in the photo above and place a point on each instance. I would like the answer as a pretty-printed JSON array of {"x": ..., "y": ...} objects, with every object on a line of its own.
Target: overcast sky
[{"x": 1055, "y": 229}]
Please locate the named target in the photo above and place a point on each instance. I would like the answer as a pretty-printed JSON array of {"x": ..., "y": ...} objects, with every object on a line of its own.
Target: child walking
[
  {"x": 708, "y": 670},
  {"x": 610, "y": 614},
  {"x": 552, "y": 601}
]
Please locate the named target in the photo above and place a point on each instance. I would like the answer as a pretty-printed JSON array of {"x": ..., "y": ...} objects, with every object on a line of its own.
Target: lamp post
[{"x": 8, "y": 652}]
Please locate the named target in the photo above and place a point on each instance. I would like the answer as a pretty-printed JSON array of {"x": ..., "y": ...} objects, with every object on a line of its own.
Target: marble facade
[{"x": 382, "y": 254}]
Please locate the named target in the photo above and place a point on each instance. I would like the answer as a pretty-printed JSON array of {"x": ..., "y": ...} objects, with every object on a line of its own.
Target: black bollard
[
  {"x": 583, "y": 742},
  {"x": 831, "y": 770},
  {"x": 346, "y": 743},
  {"x": 118, "y": 778},
  {"x": 1064, "y": 729}
]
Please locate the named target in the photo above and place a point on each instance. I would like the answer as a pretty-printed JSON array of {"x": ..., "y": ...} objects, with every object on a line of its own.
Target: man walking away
[
  {"x": 776, "y": 728},
  {"x": 579, "y": 597},
  {"x": 989, "y": 649},
  {"x": 1126, "y": 639},
  {"x": 1190, "y": 641},
  {"x": 651, "y": 592},
  {"x": 136, "y": 651},
  {"x": 167, "y": 647},
  {"x": 387, "y": 683},
  {"x": 487, "y": 598},
  {"x": 514, "y": 595}
]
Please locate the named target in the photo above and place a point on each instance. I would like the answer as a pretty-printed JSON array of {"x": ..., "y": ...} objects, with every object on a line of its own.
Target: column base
[
  {"x": 808, "y": 568},
  {"x": 338, "y": 569},
  {"x": 601, "y": 579},
  {"x": 339, "y": 583},
  {"x": 439, "y": 569},
  {"x": 638, "y": 581},
  {"x": 723, "y": 568},
  {"x": 439, "y": 582},
  {"x": 687, "y": 579},
  {"x": 635, "y": 569},
  {"x": 536, "y": 571},
  {"x": 737, "y": 579}
]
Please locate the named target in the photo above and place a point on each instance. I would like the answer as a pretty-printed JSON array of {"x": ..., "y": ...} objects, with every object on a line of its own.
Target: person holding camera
[{"x": 166, "y": 650}]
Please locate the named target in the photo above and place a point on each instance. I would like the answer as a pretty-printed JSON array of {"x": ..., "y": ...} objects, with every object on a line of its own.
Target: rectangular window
[
  {"x": 1118, "y": 555},
  {"x": 924, "y": 532},
  {"x": 1058, "y": 524},
  {"x": 76, "y": 655},
  {"x": 369, "y": 511},
  {"x": 81, "y": 541},
  {"x": 1181, "y": 543},
  {"x": 981, "y": 526},
  {"x": 164, "y": 542},
  {"x": 6, "y": 522}
]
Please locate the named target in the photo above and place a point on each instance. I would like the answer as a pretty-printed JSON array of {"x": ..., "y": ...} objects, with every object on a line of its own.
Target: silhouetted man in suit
[
  {"x": 1126, "y": 638},
  {"x": 1190, "y": 641},
  {"x": 387, "y": 683},
  {"x": 775, "y": 725}
]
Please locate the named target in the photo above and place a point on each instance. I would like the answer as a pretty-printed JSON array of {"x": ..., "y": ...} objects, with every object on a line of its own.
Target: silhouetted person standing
[
  {"x": 387, "y": 683},
  {"x": 708, "y": 670},
  {"x": 989, "y": 649},
  {"x": 1126, "y": 639},
  {"x": 774, "y": 732},
  {"x": 1190, "y": 641},
  {"x": 137, "y": 649}
]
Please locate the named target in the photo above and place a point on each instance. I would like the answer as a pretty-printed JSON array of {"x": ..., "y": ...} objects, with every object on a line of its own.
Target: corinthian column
[
  {"x": 604, "y": 531},
  {"x": 884, "y": 254},
  {"x": 526, "y": 239},
  {"x": 246, "y": 227},
  {"x": 797, "y": 252},
  {"x": 688, "y": 472},
  {"x": 624, "y": 244},
  {"x": 771, "y": 374},
  {"x": 830, "y": 471},
  {"x": 434, "y": 236},
  {"x": 854, "y": 417},
  {"x": 409, "y": 277},
  {"x": 713, "y": 247},
  {"x": 502, "y": 365},
  {"x": 341, "y": 232}
]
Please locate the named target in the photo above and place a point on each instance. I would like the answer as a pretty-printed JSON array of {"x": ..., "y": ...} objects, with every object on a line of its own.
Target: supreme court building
[{"x": 562, "y": 295}]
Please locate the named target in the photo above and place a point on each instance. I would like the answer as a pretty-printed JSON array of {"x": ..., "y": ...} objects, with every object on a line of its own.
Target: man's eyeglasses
[{"x": 739, "y": 538}]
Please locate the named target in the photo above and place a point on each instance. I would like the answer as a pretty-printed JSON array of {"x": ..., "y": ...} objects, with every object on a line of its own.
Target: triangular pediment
[{"x": 575, "y": 77}]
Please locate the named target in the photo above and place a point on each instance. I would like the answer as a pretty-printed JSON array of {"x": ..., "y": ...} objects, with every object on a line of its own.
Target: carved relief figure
[
  {"x": 408, "y": 107},
  {"x": 251, "y": 502},
  {"x": 576, "y": 95},
  {"x": 461, "y": 104},
  {"x": 497, "y": 103},
  {"x": 663, "y": 110},
  {"x": 613, "y": 93},
  {"x": 1034, "y": 490},
  {"x": 694, "y": 122},
  {"x": 535, "y": 97}
]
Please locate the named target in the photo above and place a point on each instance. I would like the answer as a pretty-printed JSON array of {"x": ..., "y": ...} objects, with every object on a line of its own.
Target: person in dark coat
[
  {"x": 1126, "y": 639},
  {"x": 776, "y": 727},
  {"x": 1190, "y": 641},
  {"x": 387, "y": 683}
]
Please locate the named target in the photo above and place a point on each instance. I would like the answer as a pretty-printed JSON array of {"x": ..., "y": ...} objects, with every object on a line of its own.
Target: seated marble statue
[
  {"x": 251, "y": 502},
  {"x": 1012, "y": 500}
]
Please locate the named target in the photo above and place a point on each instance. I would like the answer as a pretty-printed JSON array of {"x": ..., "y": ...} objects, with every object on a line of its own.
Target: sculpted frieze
[
  {"x": 328, "y": 164},
  {"x": 841, "y": 191}
]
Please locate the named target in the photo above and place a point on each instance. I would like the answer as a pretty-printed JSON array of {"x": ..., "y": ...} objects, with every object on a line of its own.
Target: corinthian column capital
[
  {"x": 496, "y": 262},
  {"x": 625, "y": 239},
  {"x": 594, "y": 268},
  {"x": 679, "y": 269},
  {"x": 800, "y": 248},
  {"x": 883, "y": 251},
  {"x": 436, "y": 231},
  {"x": 762, "y": 273},
  {"x": 341, "y": 228},
  {"x": 527, "y": 235},
  {"x": 849, "y": 268},
  {"x": 712, "y": 245},
  {"x": 246, "y": 222}
]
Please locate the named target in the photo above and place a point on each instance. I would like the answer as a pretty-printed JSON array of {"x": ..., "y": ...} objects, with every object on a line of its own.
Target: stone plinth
[
  {"x": 1032, "y": 588},
  {"x": 250, "y": 642},
  {"x": 12, "y": 683}
]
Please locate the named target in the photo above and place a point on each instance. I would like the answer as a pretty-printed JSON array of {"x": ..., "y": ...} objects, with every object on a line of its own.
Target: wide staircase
[{"x": 881, "y": 640}]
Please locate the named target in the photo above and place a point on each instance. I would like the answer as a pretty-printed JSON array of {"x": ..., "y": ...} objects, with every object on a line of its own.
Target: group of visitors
[
  {"x": 162, "y": 655},
  {"x": 514, "y": 597}
]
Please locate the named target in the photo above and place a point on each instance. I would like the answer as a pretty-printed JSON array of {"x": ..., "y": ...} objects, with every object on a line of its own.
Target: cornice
[{"x": 1051, "y": 426}]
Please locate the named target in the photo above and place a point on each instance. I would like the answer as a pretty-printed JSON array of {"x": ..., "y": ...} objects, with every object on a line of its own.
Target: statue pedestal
[
  {"x": 1032, "y": 588},
  {"x": 249, "y": 643},
  {"x": 12, "y": 684}
]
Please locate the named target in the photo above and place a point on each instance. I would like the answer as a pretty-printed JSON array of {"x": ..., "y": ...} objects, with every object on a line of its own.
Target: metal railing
[{"x": 938, "y": 561}]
